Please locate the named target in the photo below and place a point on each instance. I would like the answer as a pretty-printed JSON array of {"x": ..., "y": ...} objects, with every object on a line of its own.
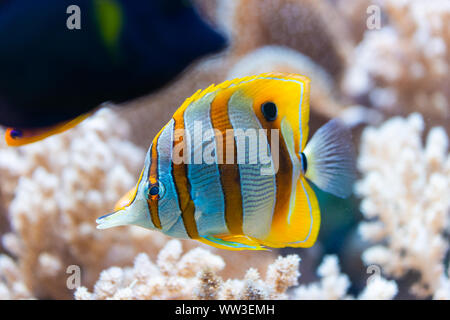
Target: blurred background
[{"x": 380, "y": 66}]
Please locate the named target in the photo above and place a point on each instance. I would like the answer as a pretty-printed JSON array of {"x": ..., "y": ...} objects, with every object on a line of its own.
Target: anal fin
[
  {"x": 231, "y": 242},
  {"x": 299, "y": 225}
]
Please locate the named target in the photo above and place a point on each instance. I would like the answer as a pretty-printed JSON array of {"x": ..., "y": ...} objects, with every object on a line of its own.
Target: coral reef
[
  {"x": 405, "y": 190},
  {"x": 192, "y": 275},
  {"x": 56, "y": 189},
  {"x": 403, "y": 66},
  {"x": 12, "y": 285},
  {"x": 333, "y": 285}
]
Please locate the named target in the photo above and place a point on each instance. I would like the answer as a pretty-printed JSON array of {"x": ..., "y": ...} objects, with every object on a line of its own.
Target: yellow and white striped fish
[{"x": 231, "y": 202}]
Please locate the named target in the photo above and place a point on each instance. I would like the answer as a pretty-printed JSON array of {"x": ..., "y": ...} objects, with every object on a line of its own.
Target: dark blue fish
[{"x": 50, "y": 74}]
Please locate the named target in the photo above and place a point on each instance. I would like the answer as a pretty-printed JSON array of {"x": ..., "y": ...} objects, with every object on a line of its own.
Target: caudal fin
[{"x": 330, "y": 159}]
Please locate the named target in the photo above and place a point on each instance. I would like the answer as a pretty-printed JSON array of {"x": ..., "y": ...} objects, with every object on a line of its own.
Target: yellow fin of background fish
[
  {"x": 34, "y": 135},
  {"x": 231, "y": 242}
]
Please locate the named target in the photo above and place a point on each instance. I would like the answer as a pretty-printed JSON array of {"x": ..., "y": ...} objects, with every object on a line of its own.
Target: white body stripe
[
  {"x": 258, "y": 191},
  {"x": 288, "y": 137},
  {"x": 206, "y": 188},
  {"x": 168, "y": 206}
]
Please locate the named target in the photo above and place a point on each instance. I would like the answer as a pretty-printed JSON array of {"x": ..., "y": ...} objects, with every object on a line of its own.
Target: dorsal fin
[{"x": 234, "y": 82}]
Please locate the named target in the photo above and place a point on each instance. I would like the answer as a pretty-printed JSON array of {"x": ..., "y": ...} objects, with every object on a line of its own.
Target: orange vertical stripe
[
  {"x": 283, "y": 177},
  {"x": 229, "y": 173},
  {"x": 182, "y": 184},
  {"x": 153, "y": 179}
]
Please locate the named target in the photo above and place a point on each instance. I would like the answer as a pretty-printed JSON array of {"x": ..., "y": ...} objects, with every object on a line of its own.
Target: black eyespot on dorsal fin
[{"x": 269, "y": 110}]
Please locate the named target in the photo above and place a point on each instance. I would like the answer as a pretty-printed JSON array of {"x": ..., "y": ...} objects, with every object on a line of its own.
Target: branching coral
[
  {"x": 333, "y": 285},
  {"x": 58, "y": 187},
  {"x": 171, "y": 277},
  {"x": 193, "y": 275},
  {"x": 379, "y": 289},
  {"x": 404, "y": 66},
  {"x": 405, "y": 190},
  {"x": 12, "y": 284}
]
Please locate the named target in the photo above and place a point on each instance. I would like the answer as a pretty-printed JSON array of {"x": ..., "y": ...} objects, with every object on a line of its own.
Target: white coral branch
[
  {"x": 405, "y": 190},
  {"x": 193, "y": 275}
]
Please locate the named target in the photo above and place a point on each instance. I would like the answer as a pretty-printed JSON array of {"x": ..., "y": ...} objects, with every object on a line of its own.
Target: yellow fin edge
[
  {"x": 232, "y": 242},
  {"x": 59, "y": 128}
]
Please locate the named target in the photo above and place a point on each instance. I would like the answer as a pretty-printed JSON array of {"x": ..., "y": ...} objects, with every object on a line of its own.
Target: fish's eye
[
  {"x": 16, "y": 133},
  {"x": 269, "y": 111},
  {"x": 155, "y": 191}
]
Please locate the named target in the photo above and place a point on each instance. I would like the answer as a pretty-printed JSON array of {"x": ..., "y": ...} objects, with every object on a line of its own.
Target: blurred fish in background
[{"x": 53, "y": 76}]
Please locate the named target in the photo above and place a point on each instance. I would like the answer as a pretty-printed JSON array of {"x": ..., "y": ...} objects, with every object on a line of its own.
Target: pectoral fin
[{"x": 126, "y": 199}]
